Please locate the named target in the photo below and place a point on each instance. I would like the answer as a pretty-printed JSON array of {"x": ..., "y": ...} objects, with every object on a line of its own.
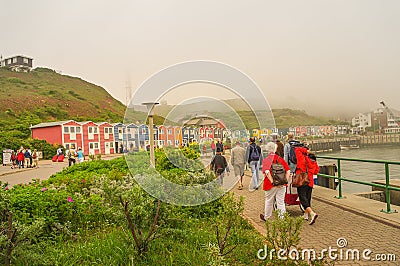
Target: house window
[
  {"x": 78, "y": 130},
  {"x": 161, "y": 131},
  {"x": 143, "y": 131},
  {"x": 66, "y": 130},
  {"x": 26, "y": 61},
  {"x": 69, "y": 145},
  {"x": 169, "y": 131},
  {"x": 72, "y": 130},
  {"x": 14, "y": 60},
  {"x": 9, "y": 61},
  {"x": 90, "y": 130}
]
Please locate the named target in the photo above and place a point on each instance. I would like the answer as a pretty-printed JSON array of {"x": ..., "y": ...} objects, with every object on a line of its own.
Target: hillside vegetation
[
  {"x": 52, "y": 96},
  {"x": 43, "y": 95}
]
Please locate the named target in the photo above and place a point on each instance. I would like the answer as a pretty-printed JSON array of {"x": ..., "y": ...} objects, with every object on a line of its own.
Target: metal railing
[{"x": 339, "y": 177}]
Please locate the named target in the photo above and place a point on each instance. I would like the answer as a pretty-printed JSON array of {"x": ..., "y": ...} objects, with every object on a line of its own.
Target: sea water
[{"x": 365, "y": 171}]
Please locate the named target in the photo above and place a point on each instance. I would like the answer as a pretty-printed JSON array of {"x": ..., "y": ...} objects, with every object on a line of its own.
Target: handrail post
[
  {"x": 339, "y": 177},
  {"x": 387, "y": 190}
]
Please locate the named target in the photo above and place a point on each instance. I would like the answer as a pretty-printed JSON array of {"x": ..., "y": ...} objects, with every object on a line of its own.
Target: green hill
[
  {"x": 52, "y": 96},
  {"x": 285, "y": 118}
]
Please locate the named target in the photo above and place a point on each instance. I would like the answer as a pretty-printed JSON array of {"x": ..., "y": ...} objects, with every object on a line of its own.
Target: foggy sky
[{"x": 333, "y": 57}]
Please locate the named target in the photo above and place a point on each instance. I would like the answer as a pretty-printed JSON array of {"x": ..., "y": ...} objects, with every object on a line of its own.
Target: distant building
[
  {"x": 362, "y": 121},
  {"x": 17, "y": 63}
]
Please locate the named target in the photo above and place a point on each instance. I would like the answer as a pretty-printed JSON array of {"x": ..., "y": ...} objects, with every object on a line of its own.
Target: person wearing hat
[
  {"x": 71, "y": 155},
  {"x": 35, "y": 158},
  {"x": 238, "y": 160},
  {"x": 81, "y": 157},
  {"x": 219, "y": 165},
  {"x": 273, "y": 193},
  {"x": 253, "y": 154}
]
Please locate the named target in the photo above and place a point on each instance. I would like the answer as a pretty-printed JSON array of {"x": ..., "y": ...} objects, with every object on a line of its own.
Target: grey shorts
[{"x": 239, "y": 170}]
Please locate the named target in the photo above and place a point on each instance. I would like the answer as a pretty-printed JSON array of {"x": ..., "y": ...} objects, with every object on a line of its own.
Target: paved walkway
[
  {"x": 45, "y": 170},
  {"x": 356, "y": 219}
]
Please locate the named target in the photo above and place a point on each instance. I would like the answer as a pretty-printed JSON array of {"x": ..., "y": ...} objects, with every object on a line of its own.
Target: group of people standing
[
  {"x": 72, "y": 154},
  {"x": 274, "y": 152},
  {"x": 24, "y": 158}
]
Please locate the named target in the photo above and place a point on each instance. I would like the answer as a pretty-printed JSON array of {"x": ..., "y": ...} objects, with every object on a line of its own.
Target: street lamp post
[{"x": 150, "y": 106}]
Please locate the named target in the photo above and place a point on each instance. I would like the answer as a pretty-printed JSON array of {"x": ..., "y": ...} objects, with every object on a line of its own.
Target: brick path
[{"x": 333, "y": 223}]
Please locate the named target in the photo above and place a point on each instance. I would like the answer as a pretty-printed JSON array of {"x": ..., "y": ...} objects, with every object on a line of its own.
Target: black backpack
[
  {"x": 219, "y": 164},
  {"x": 255, "y": 154},
  {"x": 292, "y": 153},
  {"x": 278, "y": 173}
]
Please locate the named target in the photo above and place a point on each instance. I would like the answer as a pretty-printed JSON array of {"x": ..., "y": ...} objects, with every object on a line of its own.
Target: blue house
[
  {"x": 132, "y": 137},
  {"x": 120, "y": 139},
  {"x": 144, "y": 139}
]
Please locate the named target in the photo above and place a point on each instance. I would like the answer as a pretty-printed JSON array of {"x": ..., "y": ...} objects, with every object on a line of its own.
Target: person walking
[
  {"x": 81, "y": 156},
  {"x": 238, "y": 161},
  {"x": 35, "y": 158},
  {"x": 20, "y": 159},
  {"x": 219, "y": 166},
  {"x": 273, "y": 193},
  {"x": 13, "y": 159},
  {"x": 71, "y": 155},
  {"x": 280, "y": 148},
  {"x": 253, "y": 154},
  {"x": 60, "y": 151},
  {"x": 220, "y": 146},
  {"x": 305, "y": 191},
  {"x": 286, "y": 151},
  {"x": 28, "y": 158},
  {"x": 213, "y": 147}
]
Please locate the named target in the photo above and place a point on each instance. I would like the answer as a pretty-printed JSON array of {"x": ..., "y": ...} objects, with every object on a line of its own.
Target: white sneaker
[
  {"x": 305, "y": 216},
  {"x": 313, "y": 218}
]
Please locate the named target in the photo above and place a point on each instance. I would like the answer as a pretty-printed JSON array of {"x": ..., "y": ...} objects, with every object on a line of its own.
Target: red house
[
  {"x": 65, "y": 133},
  {"x": 106, "y": 131},
  {"x": 162, "y": 136},
  {"x": 170, "y": 136},
  {"x": 91, "y": 136}
]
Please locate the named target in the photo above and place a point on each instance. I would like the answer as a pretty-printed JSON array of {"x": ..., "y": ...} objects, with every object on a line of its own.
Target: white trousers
[{"x": 271, "y": 195}]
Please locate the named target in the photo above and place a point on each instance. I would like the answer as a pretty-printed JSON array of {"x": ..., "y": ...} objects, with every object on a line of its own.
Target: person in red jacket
[
  {"x": 305, "y": 191},
  {"x": 273, "y": 193},
  {"x": 20, "y": 158}
]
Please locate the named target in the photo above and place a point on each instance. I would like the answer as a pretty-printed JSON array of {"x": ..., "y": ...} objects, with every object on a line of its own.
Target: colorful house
[
  {"x": 178, "y": 137},
  {"x": 65, "y": 133},
  {"x": 143, "y": 136},
  {"x": 91, "y": 136},
  {"x": 162, "y": 136},
  {"x": 170, "y": 136},
  {"x": 106, "y": 131},
  {"x": 119, "y": 137},
  {"x": 132, "y": 137}
]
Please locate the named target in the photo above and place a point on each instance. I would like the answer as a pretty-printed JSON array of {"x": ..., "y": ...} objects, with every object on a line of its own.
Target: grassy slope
[{"x": 52, "y": 96}]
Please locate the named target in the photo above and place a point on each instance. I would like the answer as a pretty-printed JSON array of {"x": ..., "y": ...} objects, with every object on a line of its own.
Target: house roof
[
  {"x": 19, "y": 55},
  {"x": 51, "y": 124}
]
